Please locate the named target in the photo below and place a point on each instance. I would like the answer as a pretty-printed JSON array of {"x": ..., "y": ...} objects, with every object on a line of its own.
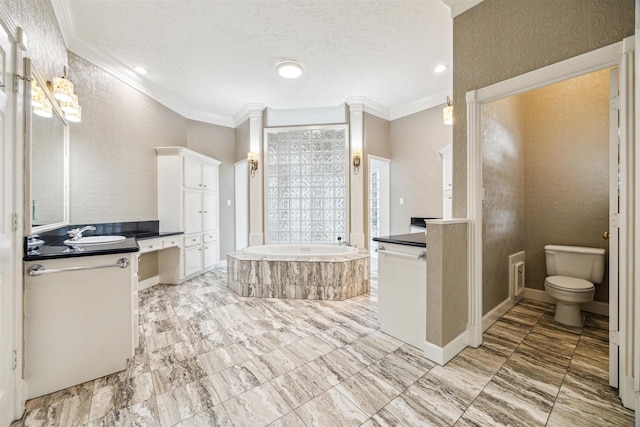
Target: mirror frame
[{"x": 32, "y": 74}]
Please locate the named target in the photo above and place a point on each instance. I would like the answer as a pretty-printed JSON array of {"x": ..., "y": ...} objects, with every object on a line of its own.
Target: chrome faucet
[
  {"x": 340, "y": 241},
  {"x": 76, "y": 233}
]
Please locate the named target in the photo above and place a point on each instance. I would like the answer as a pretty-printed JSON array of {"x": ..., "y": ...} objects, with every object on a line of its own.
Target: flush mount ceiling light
[
  {"x": 289, "y": 69},
  {"x": 440, "y": 68},
  {"x": 141, "y": 70}
]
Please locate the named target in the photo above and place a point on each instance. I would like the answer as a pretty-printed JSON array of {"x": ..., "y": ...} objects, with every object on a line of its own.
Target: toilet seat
[{"x": 570, "y": 284}]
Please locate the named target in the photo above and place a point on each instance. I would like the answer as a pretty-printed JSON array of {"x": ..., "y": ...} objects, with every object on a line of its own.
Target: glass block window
[
  {"x": 306, "y": 184},
  {"x": 374, "y": 208}
]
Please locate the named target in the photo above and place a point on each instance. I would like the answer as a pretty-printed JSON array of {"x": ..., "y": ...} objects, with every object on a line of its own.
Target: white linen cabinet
[{"x": 188, "y": 201}]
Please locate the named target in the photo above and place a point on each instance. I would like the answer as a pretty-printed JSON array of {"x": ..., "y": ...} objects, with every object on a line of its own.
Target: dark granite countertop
[
  {"x": 419, "y": 221},
  {"x": 409, "y": 239},
  {"x": 54, "y": 247}
]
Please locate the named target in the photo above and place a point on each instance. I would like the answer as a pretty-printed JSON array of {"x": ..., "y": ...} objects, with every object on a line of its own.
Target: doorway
[
  {"x": 616, "y": 55},
  {"x": 379, "y": 203}
]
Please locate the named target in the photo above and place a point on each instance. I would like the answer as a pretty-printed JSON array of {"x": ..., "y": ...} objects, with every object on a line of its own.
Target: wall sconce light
[
  {"x": 253, "y": 163},
  {"x": 39, "y": 102},
  {"x": 357, "y": 154},
  {"x": 62, "y": 89},
  {"x": 447, "y": 112}
]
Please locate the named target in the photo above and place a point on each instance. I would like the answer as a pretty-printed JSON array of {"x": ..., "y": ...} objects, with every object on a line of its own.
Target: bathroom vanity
[
  {"x": 80, "y": 317},
  {"x": 422, "y": 288}
]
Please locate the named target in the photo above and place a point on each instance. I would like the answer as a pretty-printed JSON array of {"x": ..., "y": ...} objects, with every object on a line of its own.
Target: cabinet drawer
[
  {"x": 210, "y": 236},
  {"x": 169, "y": 242},
  {"x": 150, "y": 245},
  {"x": 194, "y": 239}
]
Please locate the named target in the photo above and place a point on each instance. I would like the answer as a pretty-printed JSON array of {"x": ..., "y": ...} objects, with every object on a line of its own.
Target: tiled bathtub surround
[
  {"x": 335, "y": 279},
  {"x": 211, "y": 358}
]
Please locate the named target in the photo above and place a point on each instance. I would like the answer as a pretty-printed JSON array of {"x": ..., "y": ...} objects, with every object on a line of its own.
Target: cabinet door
[
  {"x": 210, "y": 253},
  {"x": 447, "y": 205},
  {"x": 192, "y": 259},
  {"x": 192, "y": 211},
  {"x": 209, "y": 177},
  {"x": 192, "y": 173},
  {"x": 210, "y": 211}
]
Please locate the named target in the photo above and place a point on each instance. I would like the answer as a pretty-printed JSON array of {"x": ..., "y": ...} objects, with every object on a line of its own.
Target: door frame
[
  {"x": 241, "y": 207},
  {"x": 618, "y": 54},
  {"x": 385, "y": 196}
]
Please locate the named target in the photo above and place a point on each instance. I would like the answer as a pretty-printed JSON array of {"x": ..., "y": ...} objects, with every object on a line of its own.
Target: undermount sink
[{"x": 94, "y": 240}]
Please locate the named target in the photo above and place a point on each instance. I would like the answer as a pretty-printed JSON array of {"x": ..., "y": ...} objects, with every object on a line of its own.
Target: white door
[
  {"x": 7, "y": 234},
  {"x": 379, "y": 200},
  {"x": 242, "y": 205},
  {"x": 614, "y": 230}
]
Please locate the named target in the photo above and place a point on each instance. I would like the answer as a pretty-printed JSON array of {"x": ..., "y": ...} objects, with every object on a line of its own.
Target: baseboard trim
[
  {"x": 595, "y": 307},
  {"x": 441, "y": 355},
  {"x": 490, "y": 318},
  {"x": 20, "y": 399},
  {"x": 149, "y": 282}
]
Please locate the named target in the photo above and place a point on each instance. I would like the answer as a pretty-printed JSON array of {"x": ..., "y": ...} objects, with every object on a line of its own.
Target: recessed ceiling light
[
  {"x": 440, "y": 68},
  {"x": 141, "y": 70},
  {"x": 289, "y": 69}
]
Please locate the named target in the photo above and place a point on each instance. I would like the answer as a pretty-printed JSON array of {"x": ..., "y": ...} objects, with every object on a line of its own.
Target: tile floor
[{"x": 211, "y": 358}]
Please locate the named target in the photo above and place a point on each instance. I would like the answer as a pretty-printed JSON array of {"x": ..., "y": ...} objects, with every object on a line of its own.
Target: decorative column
[
  {"x": 256, "y": 186},
  {"x": 356, "y": 143}
]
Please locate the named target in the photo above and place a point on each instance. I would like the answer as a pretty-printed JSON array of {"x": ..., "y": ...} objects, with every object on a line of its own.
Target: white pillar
[
  {"x": 256, "y": 187},
  {"x": 356, "y": 141}
]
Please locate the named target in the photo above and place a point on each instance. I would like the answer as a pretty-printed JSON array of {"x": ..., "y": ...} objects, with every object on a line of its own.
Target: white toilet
[{"x": 572, "y": 272}]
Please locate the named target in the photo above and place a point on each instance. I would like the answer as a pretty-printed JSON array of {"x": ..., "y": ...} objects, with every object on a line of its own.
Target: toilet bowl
[{"x": 573, "y": 272}]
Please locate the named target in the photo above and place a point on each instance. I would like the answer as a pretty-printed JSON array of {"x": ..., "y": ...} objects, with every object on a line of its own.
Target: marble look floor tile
[
  {"x": 508, "y": 331},
  {"x": 578, "y": 395},
  {"x": 289, "y": 420},
  {"x": 369, "y": 392},
  {"x": 257, "y": 407},
  {"x": 331, "y": 408},
  {"x": 562, "y": 418},
  {"x": 126, "y": 392},
  {"x": 214, "y": 417},
  {"x": 142, "y": 414},
  {"x": 221, "y": 358},
  {"x": 339, "y": 336},
  {"x": 185, "y": 402},
  {"x": 310, "y": 348},
  {"x": 164, "y": 339},
  {"x": 443, "y": 402},
  {"x": 259, "y": 345},
  {"x": 66, "y": 407},
  {"x": 498, "y": 406},
  {"x": 498, "y": 345},
  {"x": 237, "y": 379},
  {"x": 300, "y": 385},
  {"x": 277, "y": 362},
  {"x": 163, "y": 325},
  {"x": 396, "y": 370},
  {"x": 337, "y": 365},
  {"x": 365, "y": 351},
  {"x": 169, "y": 355},
  {"x": 169, "y": 377},
  {"x": 462, "y": 378}
]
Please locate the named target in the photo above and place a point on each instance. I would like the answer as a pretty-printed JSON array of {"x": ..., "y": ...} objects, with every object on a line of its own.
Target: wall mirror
[{"x": 47, "y": 153}]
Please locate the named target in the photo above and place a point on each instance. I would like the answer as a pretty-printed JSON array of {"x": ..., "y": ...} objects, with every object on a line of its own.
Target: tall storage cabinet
[{"x": 188, "y": 201}]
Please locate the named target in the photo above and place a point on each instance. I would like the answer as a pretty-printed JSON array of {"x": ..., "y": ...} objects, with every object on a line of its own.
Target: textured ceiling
[{"x": 208, "y": 59}]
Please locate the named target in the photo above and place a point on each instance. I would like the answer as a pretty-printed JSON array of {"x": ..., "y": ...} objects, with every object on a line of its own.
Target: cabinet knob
[
  {"x": 205, "y": 211},
  {"x": 205, "y": 185}
]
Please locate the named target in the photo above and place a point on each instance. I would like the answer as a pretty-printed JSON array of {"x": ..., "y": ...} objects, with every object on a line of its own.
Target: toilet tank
[{"x": 575, "y": 261}]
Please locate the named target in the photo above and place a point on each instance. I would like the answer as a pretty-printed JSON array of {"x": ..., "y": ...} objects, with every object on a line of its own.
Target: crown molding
[
  {"x": 66, "y": 22},
  {"x": 111, "y": 65},
  {"x": 458, "y": 7},
  {"x": 246, "y": 112},
  {"x": 419, "y": 105}
]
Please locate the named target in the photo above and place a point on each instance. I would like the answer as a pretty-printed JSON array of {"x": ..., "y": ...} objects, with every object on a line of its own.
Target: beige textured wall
[
  {"x": 446, "y": 281},
  {"x": 242, "y": 141},
  {"x": 500, "y": 39},
  {"x": 416, "y": 166},
  {"x": 566, "y": 194},
  {"x": 376, "y": 142},
  {"x": 218, "y": 142},
  {"x": 113, "y": 167},
  {"x": 503, "y": 206}
]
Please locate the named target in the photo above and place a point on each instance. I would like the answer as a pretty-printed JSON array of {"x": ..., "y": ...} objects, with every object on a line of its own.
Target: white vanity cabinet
[{"x": 188, "y": 201}]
